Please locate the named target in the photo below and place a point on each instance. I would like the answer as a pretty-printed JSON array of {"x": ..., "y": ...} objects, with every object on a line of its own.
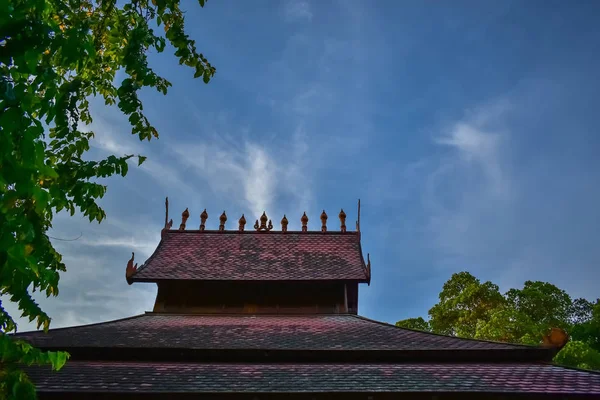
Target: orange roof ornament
[
  {"x": 222, "y": 220},
  {"x": 284, "y": 223},
  {"x": 242, "y": 223},
  {"x": 304, "y": 221},
  {"x": 131, "y": 269},
  {"x": 342, "y": 216},
  {"x": 203, "y": 218},
  {"x": 184, "y": 217},
  {"x": 263, "y": 227},
  {"x": 323, "y": 221},
  {"x": 556, "y": 338}
]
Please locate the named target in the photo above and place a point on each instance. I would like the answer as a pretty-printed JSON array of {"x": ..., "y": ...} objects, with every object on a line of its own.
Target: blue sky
[{"x": 468, "y": 129}]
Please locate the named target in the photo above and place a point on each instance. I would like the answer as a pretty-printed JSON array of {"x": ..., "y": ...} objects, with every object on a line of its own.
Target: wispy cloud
[
  {"x": 297, "y": 10},
  {"x": 254, "y": 175},
  {"x": 469, "y": 184}
]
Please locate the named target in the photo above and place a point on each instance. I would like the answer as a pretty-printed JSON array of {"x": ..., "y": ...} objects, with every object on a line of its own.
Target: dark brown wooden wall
[{"x": 257, "y": 297}]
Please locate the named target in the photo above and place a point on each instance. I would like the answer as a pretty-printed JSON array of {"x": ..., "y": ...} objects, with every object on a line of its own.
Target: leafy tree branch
[
  {"x": 55, "y": 55},
  {"x": 472, "y": 309}
]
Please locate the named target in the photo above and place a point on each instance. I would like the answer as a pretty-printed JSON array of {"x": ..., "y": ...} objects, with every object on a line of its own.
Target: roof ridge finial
[
  {"x": 324, "y": 221},
  {"x": 131, "y": 269},
  {"x": 556, "y": 337},
  {"x": 222, "y": 220},
  {"x": 168, "y": 224},
  {"x": 184, "y": 216},
  {"x": 166, "y": 212},
  {"x": 369, "y": 267},
  {"x": 358, "y": 221},
  {"x": 203, "y": 218},
  {"x": 263, "y": 223},
  {"x": 304, "y": 220},
  {"x": 242, "y": 223},
  {"x": 284, "y": 223},
  {"x": 342, "y": 216}
]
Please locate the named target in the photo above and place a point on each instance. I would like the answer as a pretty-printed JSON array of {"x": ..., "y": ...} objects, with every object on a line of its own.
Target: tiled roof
[
  {"x": 232, "y": 255},
  {"x": 82, "y": 376},
  {"x": 305, "y": 332}
]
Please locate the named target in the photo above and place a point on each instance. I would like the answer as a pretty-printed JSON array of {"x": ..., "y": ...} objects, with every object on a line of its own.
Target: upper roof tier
[
  {"x": 255, "y": 256},
  {"x": 260, "y": 254}
]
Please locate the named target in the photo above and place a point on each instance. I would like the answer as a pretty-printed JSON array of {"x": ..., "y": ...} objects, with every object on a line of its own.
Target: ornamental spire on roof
[
  {"x": 304, "y": 221},
  {"x": 263, "y": 224},
  {"x": 222, "y": 220},
  {"x": 342, "y": 216},
  {"x": 323, "y": 221},
  {"x": 203, "y": 218},
  {"x": 184, "y": 216},
  {"x": 263, "y": 227}
]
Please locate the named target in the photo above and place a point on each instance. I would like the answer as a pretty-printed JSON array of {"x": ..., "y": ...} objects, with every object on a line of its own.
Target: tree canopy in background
[
  {"x": 54, "y": 56},
  {"x": 472, "y": 309}
]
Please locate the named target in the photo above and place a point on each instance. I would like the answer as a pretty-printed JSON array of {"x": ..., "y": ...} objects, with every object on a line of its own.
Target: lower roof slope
[
  {"x": 137, "y": 377},
  {"x": 255, "y": 256},
  {"x": 264, "y": 332},
  {"x": 147, "y": 371}
]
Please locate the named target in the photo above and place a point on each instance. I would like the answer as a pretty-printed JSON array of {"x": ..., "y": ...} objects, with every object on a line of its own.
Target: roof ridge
[
  {"x": 527, "y": 346},
  {"x": 82, "y": 326},
  {"x": 153, "y": 313},
  {"x": 249, "y": 232}
]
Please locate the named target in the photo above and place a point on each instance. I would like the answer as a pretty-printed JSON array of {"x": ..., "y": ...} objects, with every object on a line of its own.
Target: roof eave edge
[
  {"x": 366, "y": 268},
  {"x": 131, "y": 278}
]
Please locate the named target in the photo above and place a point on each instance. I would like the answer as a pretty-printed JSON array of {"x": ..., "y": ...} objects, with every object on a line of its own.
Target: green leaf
[
  {"x": 58, "y": 359},
  {"x": 141, "y": 160}
]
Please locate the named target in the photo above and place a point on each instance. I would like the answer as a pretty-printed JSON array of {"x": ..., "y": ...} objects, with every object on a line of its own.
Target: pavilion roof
[{"x": 255, "y": 256}]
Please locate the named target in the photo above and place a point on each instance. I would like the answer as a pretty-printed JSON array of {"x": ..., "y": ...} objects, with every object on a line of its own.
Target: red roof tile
[
  {"x": 268, "y": 256},
  {"x": 128, "y": 377},
  {"x": 264, "y": 332}
]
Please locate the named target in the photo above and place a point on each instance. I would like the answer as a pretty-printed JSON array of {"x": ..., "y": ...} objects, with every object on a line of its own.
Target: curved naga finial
[{"x": 131, "y": 269}]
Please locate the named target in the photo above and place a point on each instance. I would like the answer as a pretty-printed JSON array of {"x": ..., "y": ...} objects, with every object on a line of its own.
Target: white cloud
[
  {"x": 253, "y": 173},
  {"x": 477, "y": 143},
  {"x": 469, "y": 185},
  {"x": 297, "y": 10},
  {"x": 259, "y": 180}
]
